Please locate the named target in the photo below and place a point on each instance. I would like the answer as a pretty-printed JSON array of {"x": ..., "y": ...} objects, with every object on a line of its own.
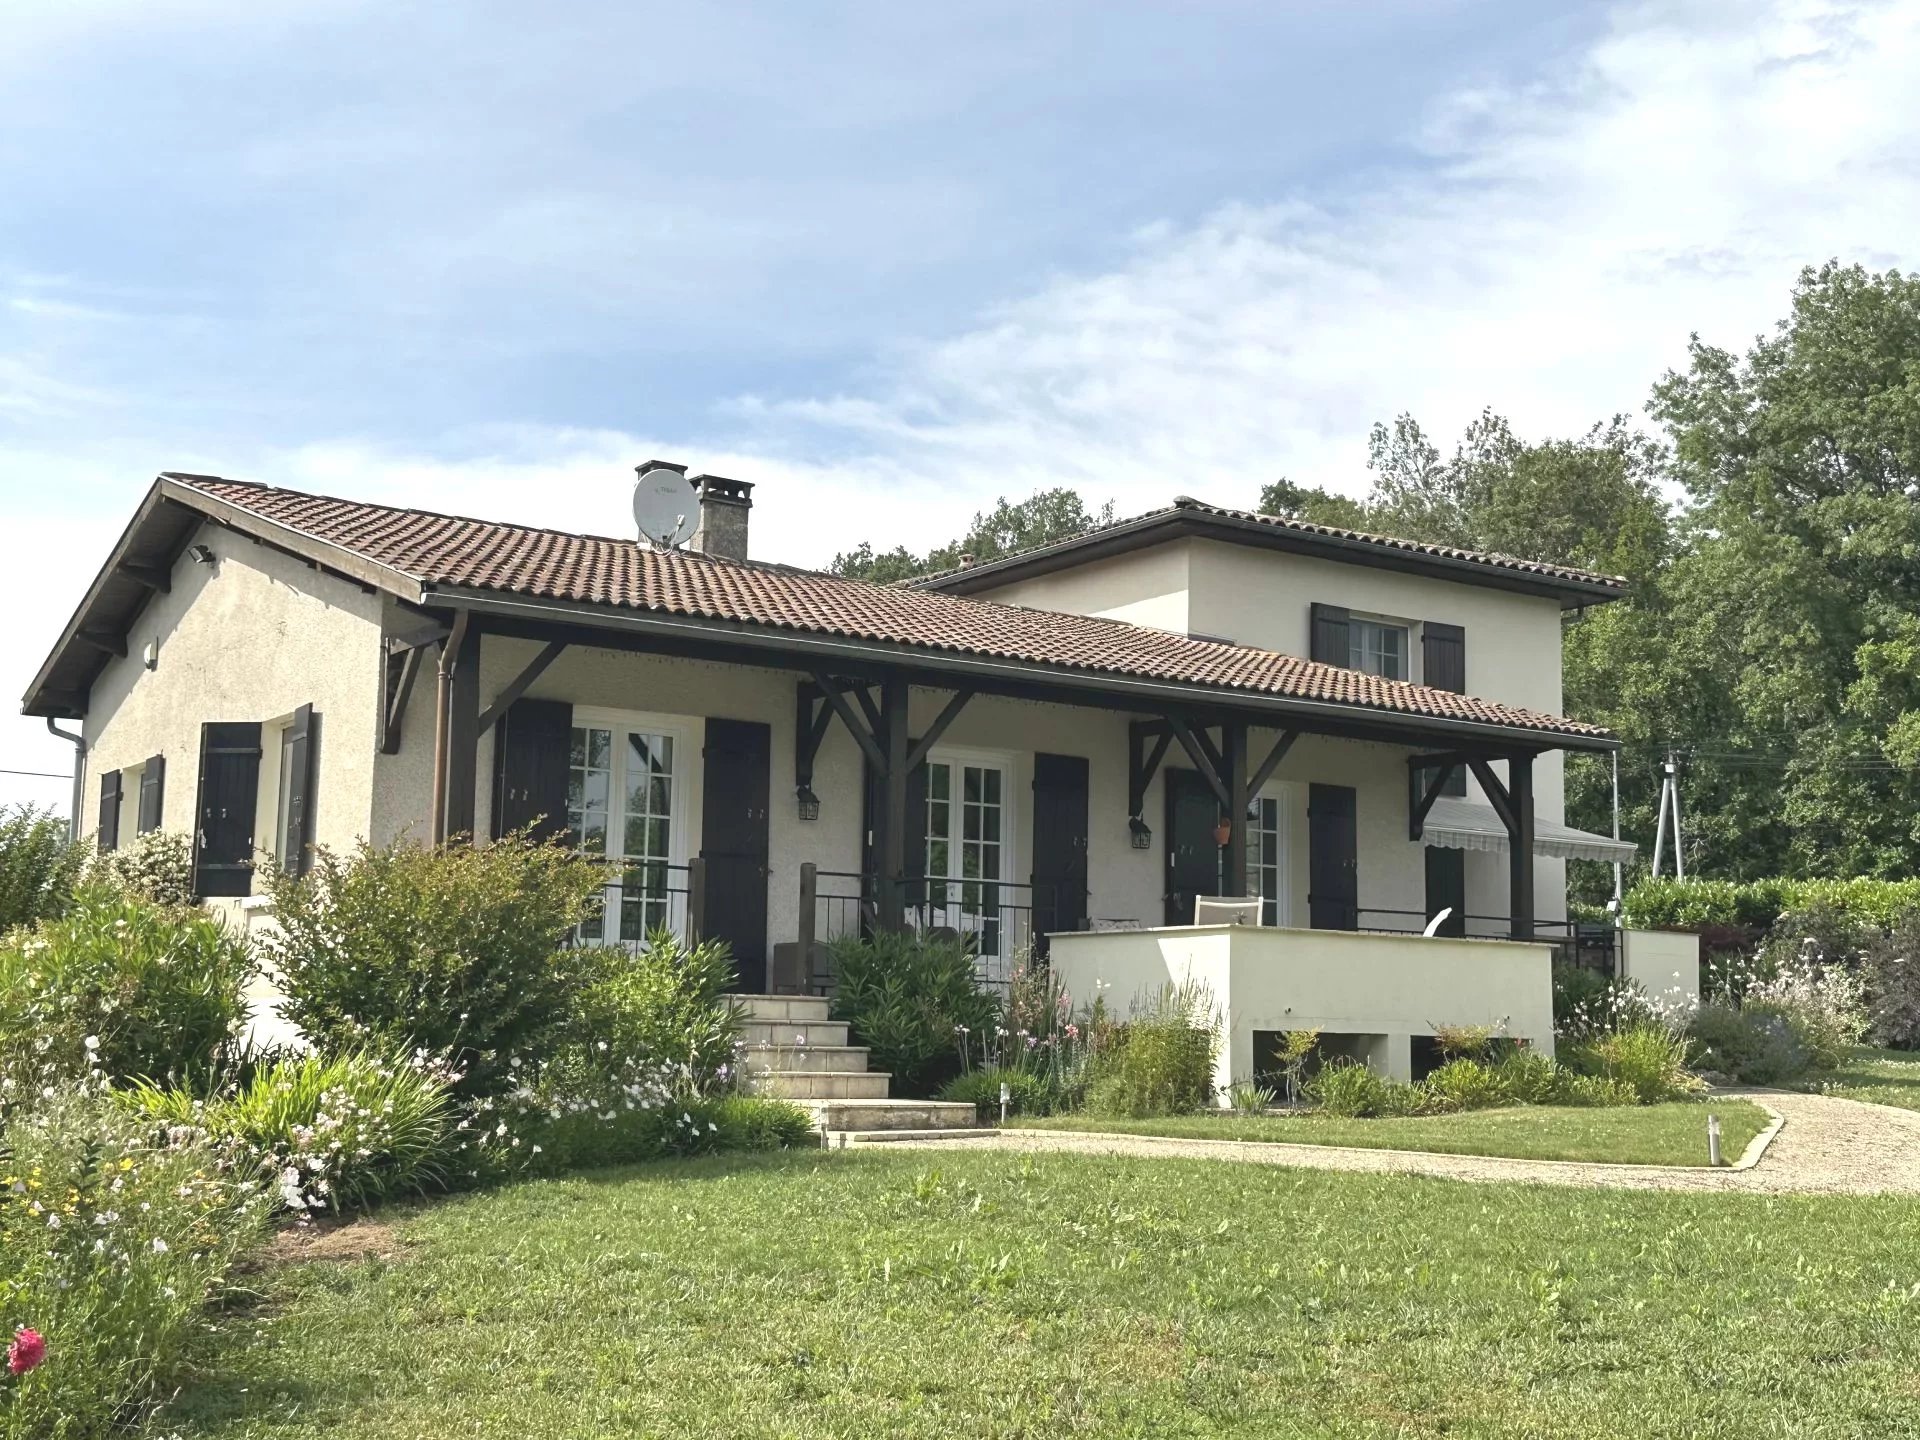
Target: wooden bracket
[{"x": 520, "y": 683}]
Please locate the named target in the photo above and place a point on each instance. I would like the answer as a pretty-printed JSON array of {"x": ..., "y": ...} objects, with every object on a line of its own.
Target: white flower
[
  {"x": 92, "y": 1042},
  {"x": 159, "y": 1246}
]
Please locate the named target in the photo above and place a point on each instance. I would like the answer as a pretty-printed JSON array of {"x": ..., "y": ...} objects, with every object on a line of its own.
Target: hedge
[{"x": 1665, "y": 904}]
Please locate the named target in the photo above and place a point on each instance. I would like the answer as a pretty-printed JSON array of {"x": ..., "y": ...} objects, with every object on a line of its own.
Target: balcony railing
[{"x": 1588, "y": 944}]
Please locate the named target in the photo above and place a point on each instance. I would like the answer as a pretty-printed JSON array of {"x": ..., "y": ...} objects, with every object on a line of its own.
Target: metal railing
[
  {"x": 648, "y": 895},
  {"x": 1591, "y": 945}
]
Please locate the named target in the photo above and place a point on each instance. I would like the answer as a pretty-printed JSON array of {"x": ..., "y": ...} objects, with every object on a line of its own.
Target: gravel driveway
[{"x": 1824, "y": 1146}]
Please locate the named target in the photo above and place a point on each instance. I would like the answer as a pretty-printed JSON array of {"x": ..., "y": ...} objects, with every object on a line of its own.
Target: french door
[
  {"x": 969, "y": 855},
  {"x": 624, "y": 803}
]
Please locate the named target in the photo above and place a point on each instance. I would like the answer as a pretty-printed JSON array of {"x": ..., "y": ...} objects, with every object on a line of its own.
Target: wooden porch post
[
  {"x": 459, "y": 758},
  {"x": 1520, "y": 839},
  {"x": 1233, "y": 741},
  {"x": 890, "y": 844}
]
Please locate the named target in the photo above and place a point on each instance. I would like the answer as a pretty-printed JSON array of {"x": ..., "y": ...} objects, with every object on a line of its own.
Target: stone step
[
  {"x": 786, "y": 1009},
  {"x": 794, "y": 1032},
  {"x": 871, "y": 1115},
  {"x": 822, "y": 1084},
  {"x": 841, "y": 1059}
]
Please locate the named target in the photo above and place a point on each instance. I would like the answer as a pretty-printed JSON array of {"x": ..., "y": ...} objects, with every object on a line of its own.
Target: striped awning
[{"x": 1459, "y": 824}]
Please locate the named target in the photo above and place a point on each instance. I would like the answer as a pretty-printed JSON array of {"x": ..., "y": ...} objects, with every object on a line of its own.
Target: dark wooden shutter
[
  {"x": 229, "y": 793},
  {"x": 1330, "y": 642},
  {"x": 530, "y": 767},
  {"x": 1447, "y": 889},
  {"x": 734, "y": 842},
  {"x": 1059, "y": 844},
  {"x": 1443, "y": 666},
  {"x": 1333, "y": 870},
  {"x": 873, "y": 797},
  {"x": 153, "y": 787},
  {"x": 106, "y": 833},
  {"x": 302, "y": 760}
]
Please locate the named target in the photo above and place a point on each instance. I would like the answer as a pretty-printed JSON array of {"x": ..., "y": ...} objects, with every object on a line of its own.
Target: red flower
[{"x": 28, "y": 1349}]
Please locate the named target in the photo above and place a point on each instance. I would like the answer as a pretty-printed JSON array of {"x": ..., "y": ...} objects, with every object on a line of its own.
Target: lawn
[
  {"x": 1886, "y": 1077},
  {"x": 859, "y": 1294},
  {"x": 1624, "y": 1134}
]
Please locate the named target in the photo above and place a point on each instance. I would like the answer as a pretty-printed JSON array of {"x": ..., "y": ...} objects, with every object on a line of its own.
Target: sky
[{"x": 889, "y": 262}]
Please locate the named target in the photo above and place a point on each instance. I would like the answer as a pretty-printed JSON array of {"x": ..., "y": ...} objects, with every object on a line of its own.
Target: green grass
[
  {"x": 971, "y": 1293},
  {"x": 1886, "y": 1077},
  {"x": 1624, "y": 1135}
]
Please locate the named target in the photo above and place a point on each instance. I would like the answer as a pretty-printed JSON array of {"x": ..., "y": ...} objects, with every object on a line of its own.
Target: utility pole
[{"x": 1669, "y": 808}]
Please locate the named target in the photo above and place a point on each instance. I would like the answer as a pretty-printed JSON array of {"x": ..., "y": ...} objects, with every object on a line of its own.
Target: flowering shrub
[
  {"x": 1890, "y": 966},
  {"x": 39, "y": 866},
  {"x": 1348, "y": 1088},
  {"x": 1028, "y": 1092},
  {"x": 1161, "y": 1061},
  {"x": 458, "y": 951},
  {"x": 156, "y": 866},
  {"x": 653, "y": 1127},
  {"x": 668, "y": 1005},
  {"x": 114, "y": 1234},
  {"x": 1792, "y": 1009},
  {"x": 905, "y": 997},
  {"x": 1038, "y": 1039},
  {"x": 334, "y": 1131},
  {"x": 1647, "y": 1058},
  {"x": 120, "y": 984}
]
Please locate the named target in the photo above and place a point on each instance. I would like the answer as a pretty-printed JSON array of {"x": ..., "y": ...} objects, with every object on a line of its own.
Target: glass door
[
  {"x": 622, "y": 803},
  {"x": 966, "y": 850}
]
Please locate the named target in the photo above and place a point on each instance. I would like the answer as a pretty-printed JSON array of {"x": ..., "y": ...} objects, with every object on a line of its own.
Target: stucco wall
[
  {"x": 1664, "y": 963},
  {"x": 1343, "y": 983},
  {"x": 251, "y": 637},
  {"x": 1146, "y": 587}
]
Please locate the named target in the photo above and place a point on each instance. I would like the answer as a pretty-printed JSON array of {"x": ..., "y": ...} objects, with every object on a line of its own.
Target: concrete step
[
  {"x": 882, "y": 1137},
  {"x": 786, "y": 1009},
  {"x": 822, "y": 1084},
  {"x": 873, "y": 1115},
  {"x": 794, "y": 1032},
  {"x": 841, "y": 1059}
]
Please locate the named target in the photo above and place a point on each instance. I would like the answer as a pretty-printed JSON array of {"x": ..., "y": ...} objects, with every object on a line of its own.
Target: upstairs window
[{"x": 1377, "y": 648}]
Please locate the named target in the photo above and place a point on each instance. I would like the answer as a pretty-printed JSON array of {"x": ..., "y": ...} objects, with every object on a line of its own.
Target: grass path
[
  {"x": 1880, "y": 1077},
  {"x": 1619, "y": 1135},
  {"x": 868, "y": 1294}
]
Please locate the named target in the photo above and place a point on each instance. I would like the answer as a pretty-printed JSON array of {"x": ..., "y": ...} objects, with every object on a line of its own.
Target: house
[{"x": 1063, "y": 748}]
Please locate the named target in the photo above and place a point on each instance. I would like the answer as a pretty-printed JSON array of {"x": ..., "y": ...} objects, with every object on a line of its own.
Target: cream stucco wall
[
  {"x": 1392, "y": 986},
  {"x": 1147, "y": 587},
  {"x": 251, "y": 637}
]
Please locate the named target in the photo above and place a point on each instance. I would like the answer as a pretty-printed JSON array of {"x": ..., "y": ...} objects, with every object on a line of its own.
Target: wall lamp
[
  {"x": 1141, "y": 836},
  {"x": 809, "y": 803}
]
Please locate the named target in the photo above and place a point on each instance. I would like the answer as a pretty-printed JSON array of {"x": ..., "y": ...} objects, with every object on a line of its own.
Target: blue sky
[{"x": 889, "y": 261}]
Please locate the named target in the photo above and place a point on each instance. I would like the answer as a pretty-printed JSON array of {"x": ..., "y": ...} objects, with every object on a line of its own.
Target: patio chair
[{"x": 1225, "y": 910}]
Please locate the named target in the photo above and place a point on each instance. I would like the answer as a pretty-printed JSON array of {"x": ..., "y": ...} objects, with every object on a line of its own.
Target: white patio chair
[{"x": 1224, "y": 910}]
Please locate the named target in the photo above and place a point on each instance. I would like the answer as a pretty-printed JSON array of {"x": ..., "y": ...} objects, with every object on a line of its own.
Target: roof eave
[
  {"x": 1163, "y": 525},
  {"x": 1151, "y": 693}
]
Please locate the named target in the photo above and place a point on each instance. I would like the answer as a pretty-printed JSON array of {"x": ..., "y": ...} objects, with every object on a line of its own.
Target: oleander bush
[
  {"x": 116, "y": 1235},
  {"x": 121, "y": 985},
  {"x": 667, "y": 1004},
  {"x": 39, "y": 866},
  {"x": 906, "y": 996},
  {"x": 1349, "y": 1088},
  {"x": 156, "y": 866},
  {"x": 460, "y": 951},
  {"x": 1028, "y": 1092}
]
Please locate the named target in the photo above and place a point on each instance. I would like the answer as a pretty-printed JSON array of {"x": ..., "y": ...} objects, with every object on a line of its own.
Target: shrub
[
  {"x": 1890, "y": 967},
  {"x": 1472, "y": 1042},
  {"x": 1755, "y": 1048},
  {"x": 1468, "y": 1084},
  {"x": 693, "y": 1125},
  {"x": 457, "y": 951},
  {"x": 1249, "y": 1097},
  {"x": 1027, "y": 1093},
  {"x": 338, "y": 1132},
  {"x": 666, "y": 1005},
  {"x": 123, "y": 985},
  {"x": 156, "y": 866},
  {"x": 1668, "y": 904},
  {"x": 1648, "y": 1059},
  {"x": 1531, "y": 1078},
  {"x": 1160, "y": 1062},
  {"x": 148, "y": 1225},
  {"x": 1822, "y": 1004},
  {"x": 1347, "y": 1087},
  {"x": 39, "y": 866},
  {"x": 906, "y": 997}
]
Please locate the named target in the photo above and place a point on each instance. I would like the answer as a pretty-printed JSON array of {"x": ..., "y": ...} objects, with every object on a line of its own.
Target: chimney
[{"x": 724, "y": 504}]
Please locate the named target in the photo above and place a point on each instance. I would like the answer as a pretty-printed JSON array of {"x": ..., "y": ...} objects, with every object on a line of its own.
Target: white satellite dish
[{"x": 664, "y": 506}]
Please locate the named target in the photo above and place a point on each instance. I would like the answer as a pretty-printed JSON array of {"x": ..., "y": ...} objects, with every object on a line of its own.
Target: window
[
  {"x": 1267, "y": 857},
  {"x": 1377, "y": 648},
  {"x": 286, "y": 845},
  {"x": 967, "y": 829},
  {"x": 621, "y": 804}
]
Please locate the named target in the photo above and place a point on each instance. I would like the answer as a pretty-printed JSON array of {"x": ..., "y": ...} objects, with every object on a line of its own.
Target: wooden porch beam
[
  {"x": 1144, "y": 764},
  {"x": 1520, "y": 801},
  {"x": 521, "y": 683},
  {"x": 1272, "y": 762},
  {"x": 836, "y": 697},
  {"x": 890, "y": 844},
  {"x": 868, "y": 706},
  {"x": 399, "y": 692},
  {"x": 1496, "y": 792},
  {"x": 812, "y": 716},
  {"x": 1202, "y": 760},
  {"x": 104, "y": 641},
  {"x": 1420, "y": 800},
  {"x": 946, "y": 717},
  {"x": 1233, "y": 740},
  {"x": 151, "y": 576}
]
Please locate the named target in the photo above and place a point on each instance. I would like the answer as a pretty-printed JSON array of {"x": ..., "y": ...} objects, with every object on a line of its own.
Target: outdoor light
[
  {"x": 809, "y": 803},
  {"x": 1142, "y": 836}
]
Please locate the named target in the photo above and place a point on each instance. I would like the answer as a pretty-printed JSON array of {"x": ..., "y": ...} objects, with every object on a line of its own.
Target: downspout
[
  {"x": 442, "y": 719},
  {"x": 79, "y": 775}
]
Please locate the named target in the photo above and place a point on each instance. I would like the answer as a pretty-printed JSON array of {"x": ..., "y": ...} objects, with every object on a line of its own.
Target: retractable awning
[{"x": 1457, "y": 824}]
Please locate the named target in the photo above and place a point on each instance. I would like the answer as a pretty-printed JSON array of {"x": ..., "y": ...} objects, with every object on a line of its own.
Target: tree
[
  {"x": 1040, "y": 519},
  {"x": 1314, "y": 505}
]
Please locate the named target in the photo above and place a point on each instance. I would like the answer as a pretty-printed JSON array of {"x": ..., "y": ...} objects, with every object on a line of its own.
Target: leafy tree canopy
[{"x": 1040, "y": 519}]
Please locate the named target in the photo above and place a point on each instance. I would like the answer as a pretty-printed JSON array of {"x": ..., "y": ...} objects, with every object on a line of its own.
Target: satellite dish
[{"x": 664, "y": 506}]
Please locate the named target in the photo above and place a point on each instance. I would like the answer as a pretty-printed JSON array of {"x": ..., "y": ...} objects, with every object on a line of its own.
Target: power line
[{"x": 42, "y": 774}]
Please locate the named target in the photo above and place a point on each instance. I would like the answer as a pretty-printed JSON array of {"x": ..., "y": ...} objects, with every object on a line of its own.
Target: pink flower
[{"x": 28, "y": 1349}]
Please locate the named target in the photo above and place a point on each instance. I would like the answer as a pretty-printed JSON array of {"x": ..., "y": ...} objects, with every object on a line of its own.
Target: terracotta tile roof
[
  {"x": 1186, "y": 506},
  {"x": 453, "y": 551}
]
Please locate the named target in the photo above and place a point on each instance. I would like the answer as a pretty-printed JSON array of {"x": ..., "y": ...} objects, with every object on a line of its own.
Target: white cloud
[{"x": 1545, "y": 249}]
